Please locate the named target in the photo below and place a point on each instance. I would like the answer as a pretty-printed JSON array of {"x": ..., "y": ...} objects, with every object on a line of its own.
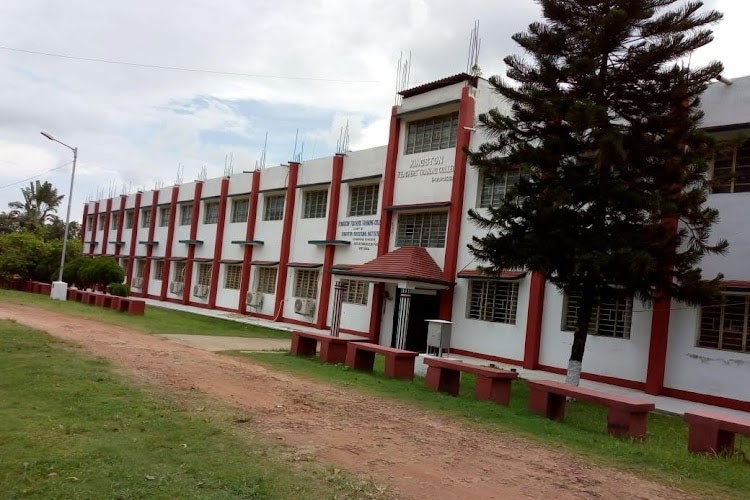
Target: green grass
[
  {"x": 73, "y": 429},
  {"x": 663, "y": 456},
  {"x": 156, "y": 320}
]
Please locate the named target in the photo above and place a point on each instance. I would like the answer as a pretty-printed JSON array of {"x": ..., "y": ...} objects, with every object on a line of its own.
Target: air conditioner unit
[
  {"x": 137, "y": 283},
  {"x": 254, "y": 299},
  {"x": 176, "y": 287},
  {"x": 305, "y": 307},
  {"x": 200, "y": 290}
]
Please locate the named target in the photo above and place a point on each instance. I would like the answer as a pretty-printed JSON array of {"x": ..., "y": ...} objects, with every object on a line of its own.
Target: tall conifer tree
[{"x": 604, "y": 127}]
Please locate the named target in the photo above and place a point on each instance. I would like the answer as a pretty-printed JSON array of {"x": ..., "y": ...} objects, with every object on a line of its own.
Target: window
[
  {"x": 265, "y": 279},
  {"x": 273, "y": 208},
  {"x": 164, "y": 216},
  {"x": 732, "y": 170},
  {"x": 493, "y": 189},
  {"x": 129, "y": 219},
  {"x": 240, "y": 209},
  {"x": 146, "y": 217},
  {"x": 232, "y": 275},
  {"x": 724, "y": 325},
  {"x": 422, "y": 230},
  {"x": 211, "y": 214},
  {"x": 102, "y": 218},
  {"x": 186, "y": 214},
  {"x": 158, "y": 270},
  {"x": 315, "y": 204},
  {"x": 115, "y": 221},
  {"x": 355, "y": 292},
  {"x": 204, "y": 274},
  {"x": 611, "y": 318},
  {"x": 363, "y": 200},
  {"x": 438, "y": 132},
  {"x": 306, "y": 284},
  {"x": 89, "y": 221},
  {"x": 179, "y": 272},
  {"x": 494, "y": 301}
]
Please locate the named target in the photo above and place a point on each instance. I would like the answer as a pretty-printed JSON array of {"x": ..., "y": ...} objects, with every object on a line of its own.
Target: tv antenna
[
  {"x": 475, "y": 44},
  {"x": 342, "y": 145},
  {"x": 403, "y": 69}
]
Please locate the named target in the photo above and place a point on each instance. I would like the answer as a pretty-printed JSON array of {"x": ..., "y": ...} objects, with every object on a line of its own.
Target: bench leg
[
  {"x": 359, "y": 360},
  {"x": 303, "y": 346},
  {"x": 710, "y": 439},
  {"x": 493, "y": 389},
  {"x": 399, "y": 367},
  {"x": 332, "y": 352},
  {"x": 627, "y": 424},
  {"x": 547, "y": 404},
  {"x": 443, "y": 380}
]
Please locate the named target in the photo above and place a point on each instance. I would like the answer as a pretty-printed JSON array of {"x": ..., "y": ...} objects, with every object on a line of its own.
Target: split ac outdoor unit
[
  {"x": 200, "y": 290},
  {"x": 137, "y": 282},
  {"x": 175, "y": 287},
  {"x": 254, "y": 299},
  {"x": 305, "y": 307}
]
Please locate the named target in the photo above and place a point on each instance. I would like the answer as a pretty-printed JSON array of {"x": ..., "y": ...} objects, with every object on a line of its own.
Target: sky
[{"x": 296, "y": 71}]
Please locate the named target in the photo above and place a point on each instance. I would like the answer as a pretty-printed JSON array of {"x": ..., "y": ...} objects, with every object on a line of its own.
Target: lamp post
[{"x": 59, "y": 287}]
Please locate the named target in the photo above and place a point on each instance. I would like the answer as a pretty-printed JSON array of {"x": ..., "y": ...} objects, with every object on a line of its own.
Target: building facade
[{"x": 374, "y": 242}]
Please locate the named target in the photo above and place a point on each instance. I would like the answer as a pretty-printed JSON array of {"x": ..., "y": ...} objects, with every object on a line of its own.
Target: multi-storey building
[{"x": 375, "y": 242}]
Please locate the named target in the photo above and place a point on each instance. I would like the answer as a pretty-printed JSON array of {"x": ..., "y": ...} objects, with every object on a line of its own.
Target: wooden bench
[
  {"x": 627, "y": 416},
  {"x": 493, "y": 384},
  {"x": 713, "y": 432},
  {"x": 398, "y": 362},
  {"x": 332, "y": 349}
]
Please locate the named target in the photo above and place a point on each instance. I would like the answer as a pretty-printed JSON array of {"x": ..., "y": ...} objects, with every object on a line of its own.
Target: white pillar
[
  {"x": 338, "y": 299},
  {"x": 402, "y": 326}
]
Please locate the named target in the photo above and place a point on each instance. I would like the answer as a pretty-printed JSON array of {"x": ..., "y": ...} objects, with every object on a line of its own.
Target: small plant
[{"x": 119, "y": 289}]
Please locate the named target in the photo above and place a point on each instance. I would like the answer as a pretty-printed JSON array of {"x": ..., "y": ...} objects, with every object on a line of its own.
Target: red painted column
[
  {"x": 120, "y": 224},
  {"x": 84, "y": 222},
  {"x": 386, "y": 218},
  {"x": 150, "y": 248},
  {"x": 107, "y": 217},
  {"x": 218, "y": 243},
  {"x": 191, "y": 247},
  {"x": 170, "y": 238},
  {"x": 337, "y": 172},
  {"x": 534, "y": 322},
  {"x": 95, "y": 220},
  {"x": 286, "y": 239},
  {"x": 456, "y": 213},
  {"x": 249, "y": 235},
  {"x": 133, "y": 237}
]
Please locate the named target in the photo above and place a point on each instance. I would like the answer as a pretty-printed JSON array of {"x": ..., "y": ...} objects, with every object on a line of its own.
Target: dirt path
[{"x": 416, "y": 453}]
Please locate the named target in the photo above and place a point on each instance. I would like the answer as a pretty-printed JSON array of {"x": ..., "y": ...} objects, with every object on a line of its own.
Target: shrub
[
  {"x": 119, "y": 289},
  {"x": 99, "y": 272}
]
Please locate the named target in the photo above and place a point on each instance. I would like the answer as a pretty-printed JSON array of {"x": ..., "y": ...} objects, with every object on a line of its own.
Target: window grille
[
  {"x": 306, "y": 284},
  {"x": 315, "y": 204},
  {"x": 492, "y": 190},
  {"x": 211, "y": 215},
  {"x": 422, "y": 229},
  {"x": 265, "y": 280},
  {"x": 186, "y": 214},
  {"x": 102, "y": 218},
  {"x": 89, "y": 221},
  {"x": 240, "y": 208},
  {"x": 179, "y": 272},
  {"x": 139, "y": 265},
  {"x": 129, "y": 219},
  {"x": 611, "y": 318},
  {"x": 724, "y": 324},
  {"x": 232, "y": 275},
  {"x": 431, "y": 134},
  {"x": 273, "y": 208},
  {"x": 731, "y": 172},
  {"x": 115, "y": 221},
  {"x": 356, "y": 292},
  {"x": 363, "y": 200},
  {"x": 164, "y": 216},
  {"x": 158, "y": 270},
  {"x": 494, "y": 301},
  {"x": 204, "y": 274},
  {"x": 146, "y": 217}
]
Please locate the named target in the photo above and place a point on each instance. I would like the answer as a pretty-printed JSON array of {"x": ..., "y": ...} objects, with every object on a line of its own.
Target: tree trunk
[{"x": 585, "y": 308}]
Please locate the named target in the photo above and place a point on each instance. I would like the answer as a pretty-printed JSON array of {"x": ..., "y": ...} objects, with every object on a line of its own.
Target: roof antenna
[
  {"x": 342, "y": 146},
  {"x": 475, "y": 43},
  {"x": 180, "y": 174},
  {"x": 403, "y": 69},
  {"x": 260, "y": 165},
  {"x": 228, "y": 165},
  {"x": 202, "y": 174},
  {"x": 294, "y": 153}
]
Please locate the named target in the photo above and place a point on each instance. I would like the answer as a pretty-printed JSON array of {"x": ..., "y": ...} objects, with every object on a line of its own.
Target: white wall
[{"x": 437, "y": 96}]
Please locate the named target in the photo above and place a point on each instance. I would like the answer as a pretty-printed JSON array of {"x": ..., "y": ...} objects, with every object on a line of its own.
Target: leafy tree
[
  {"x": 100, "y": 272},
  {"x": 9, "y": 223},
  {"x": 54, "y": 230},
  {"x": 48, "y": 267},
  {"x": 603, "y": 122},
  {"x": 20, "y": 253},
  {"x": 40, "y": 202}
]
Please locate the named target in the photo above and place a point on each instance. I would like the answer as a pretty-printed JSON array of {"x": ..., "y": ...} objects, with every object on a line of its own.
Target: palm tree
[{"x": 40, "y": 202}]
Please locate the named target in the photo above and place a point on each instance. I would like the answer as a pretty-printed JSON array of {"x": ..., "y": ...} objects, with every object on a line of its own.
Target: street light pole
[{"x": 60, "y": 288}]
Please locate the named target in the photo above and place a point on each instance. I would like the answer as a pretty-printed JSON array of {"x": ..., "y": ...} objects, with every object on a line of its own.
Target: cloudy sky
[{"x": 271, "y": 66}]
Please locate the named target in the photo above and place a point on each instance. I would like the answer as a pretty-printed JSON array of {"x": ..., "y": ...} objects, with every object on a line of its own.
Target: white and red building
[{"x": 375, "y": 242}]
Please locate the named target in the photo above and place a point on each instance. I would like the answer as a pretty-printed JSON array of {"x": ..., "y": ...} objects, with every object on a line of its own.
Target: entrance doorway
[{"x": 423, "y": 307}]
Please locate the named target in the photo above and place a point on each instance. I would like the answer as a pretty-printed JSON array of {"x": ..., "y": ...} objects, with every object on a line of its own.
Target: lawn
[
  {"x": 71, "y": 428},
  {"x": 155, "y": 320},
  {"x": 663, "y": 456}
]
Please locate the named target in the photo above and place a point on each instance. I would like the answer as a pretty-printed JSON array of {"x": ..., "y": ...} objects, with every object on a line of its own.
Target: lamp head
[{"x": 45, "y": 134}]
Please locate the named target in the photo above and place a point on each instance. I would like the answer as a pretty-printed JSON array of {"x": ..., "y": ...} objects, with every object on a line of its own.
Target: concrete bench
[
  {"x": 103, "y": 300},
  {"x": 332, "y": 349},
  {"x": 398, "y": 362},
  {"x": 713, "y": 432},
  {"x": 627, "y": 416},
  {"x": 493, "y": 384}
]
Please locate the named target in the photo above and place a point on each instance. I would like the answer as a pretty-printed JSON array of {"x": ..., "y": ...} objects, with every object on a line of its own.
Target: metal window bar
[
  {"x": 422, "y": 229},
  {"x": 164, "y": 216},
  {"x": 240, "y": 209},
  {"x": 431, "y": 134},
  {"x": 315, "y": 205},
  {"x": 204, "y": 274},
  {"x": 186, "y": 214},
  {"x": 494, "y": 301},
  {"x": 159, "y": 270},
  {"x": 306, "y": 284},
  {"x": 265, "y": 278},
  {"x": 363, "y": 200},
  {"x": 146, "y": 217},
  {"x": 356, "y": 292},
  {"x": 211, "y": 216},
  {"x": 232, "y": 274},
  {"x": 611, "y": 318},
  {"x": 179, "y": 272},
  {"x": 273, "y": 208}
]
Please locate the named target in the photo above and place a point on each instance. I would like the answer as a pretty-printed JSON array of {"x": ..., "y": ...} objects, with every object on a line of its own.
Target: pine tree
[{"x": 603, "y": 126}]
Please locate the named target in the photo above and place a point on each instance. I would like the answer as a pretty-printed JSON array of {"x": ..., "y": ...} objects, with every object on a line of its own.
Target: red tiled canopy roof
[{"x": 405, "y": 263}]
